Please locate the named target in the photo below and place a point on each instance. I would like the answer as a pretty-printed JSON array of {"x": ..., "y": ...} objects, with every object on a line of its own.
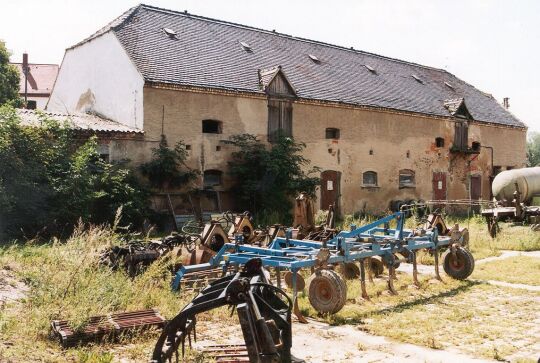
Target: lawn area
[
  {"x": 518, "y": 270},
  {"x": 66, "y": 282},
  {"x": 476, "y": 318}
]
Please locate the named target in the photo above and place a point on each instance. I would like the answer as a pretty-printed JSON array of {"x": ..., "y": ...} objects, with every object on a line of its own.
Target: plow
[{"x": 356, "y": 253}]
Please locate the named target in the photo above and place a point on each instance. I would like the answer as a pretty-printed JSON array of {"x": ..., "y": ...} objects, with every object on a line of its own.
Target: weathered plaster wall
[
  {"x": 98, "y": 76},
  {"x": 389, "y": 135}
]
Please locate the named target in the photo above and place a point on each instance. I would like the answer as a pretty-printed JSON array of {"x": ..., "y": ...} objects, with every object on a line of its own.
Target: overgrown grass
[
  {"x": 519, "y": 269},
  {"x": 67, "y": 283}
]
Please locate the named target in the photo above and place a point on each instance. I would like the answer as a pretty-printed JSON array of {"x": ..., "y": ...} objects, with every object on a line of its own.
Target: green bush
[
  {"x": 268, "y": 178},
  {"x": 48, "y": 181}
]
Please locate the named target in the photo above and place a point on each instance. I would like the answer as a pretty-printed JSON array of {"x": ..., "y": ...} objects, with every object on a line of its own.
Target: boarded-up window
[
  {"x": 212, "y": 178},
  {"x": 461, "y": 136},
  {"x": 369, "y": 179},
  {"x": 406, "y": 178},
  {"x": 279, "y": 119}
]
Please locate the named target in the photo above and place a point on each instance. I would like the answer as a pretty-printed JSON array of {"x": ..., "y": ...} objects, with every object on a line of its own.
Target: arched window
[
  {"x": 406, "y": 178},
  {"x": 212, "y": 178},
  {"x": 211, "y": 127},
  {"x": 369, "y": 179},
  {"x": 332, "y": 133}
]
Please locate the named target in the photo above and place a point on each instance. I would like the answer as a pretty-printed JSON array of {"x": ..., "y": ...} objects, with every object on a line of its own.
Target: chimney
[
  {"x": 506, "y": 104},
  {"x": 25, "y": 72}
]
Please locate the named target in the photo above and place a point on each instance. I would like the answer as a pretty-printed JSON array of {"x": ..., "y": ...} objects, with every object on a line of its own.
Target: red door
[
  {"x": 439, "y": 186},
  {"x": 476, "y": 187},
  {"x": 330, "y": 189}
]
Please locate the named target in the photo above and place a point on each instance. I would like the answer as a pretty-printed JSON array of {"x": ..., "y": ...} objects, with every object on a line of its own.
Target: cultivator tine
[
  {"x": 296, "y": 309},
  {"x": 370, "y": 270},
  {"x": 436, "y": 256},
  {"x": 365, "y": 295},
  {"x": 278, "y": 277},
  {"x": 414, "y": 269},
  {"x": 391, "y": 277}
]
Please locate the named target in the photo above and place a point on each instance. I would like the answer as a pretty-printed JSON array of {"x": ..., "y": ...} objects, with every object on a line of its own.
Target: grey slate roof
[
  {"x": 207, "y": 53},
  {"x": 78, "y": 121}
]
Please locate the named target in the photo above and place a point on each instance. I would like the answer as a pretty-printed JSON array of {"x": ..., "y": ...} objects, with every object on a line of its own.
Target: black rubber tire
[
  {"x": 459, "y": 267},
  {"x": 327, "y": 291},
  {"x": 349, "y": 270}
]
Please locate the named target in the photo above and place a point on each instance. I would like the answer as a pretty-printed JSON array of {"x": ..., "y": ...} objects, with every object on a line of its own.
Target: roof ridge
[
  {"x": 116, "y": 22},
  {"x": 36, "y": 64},
  {"x": 185, "y": 13}
]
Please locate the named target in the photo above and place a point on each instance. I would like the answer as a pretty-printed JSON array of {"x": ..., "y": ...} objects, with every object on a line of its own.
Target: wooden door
[
  {"x": 439, "y": 186},
  {"x": 476, "y": 187},
  {"x": 330, "y": 187}
]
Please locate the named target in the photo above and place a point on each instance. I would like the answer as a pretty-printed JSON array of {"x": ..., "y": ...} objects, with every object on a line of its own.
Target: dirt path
[
  {"x": 11, "y": 289},
  {"x": 319, "y": 342}
]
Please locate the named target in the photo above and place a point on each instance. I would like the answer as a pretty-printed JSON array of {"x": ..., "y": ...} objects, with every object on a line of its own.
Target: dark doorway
[{"x": 330, "y": 187}]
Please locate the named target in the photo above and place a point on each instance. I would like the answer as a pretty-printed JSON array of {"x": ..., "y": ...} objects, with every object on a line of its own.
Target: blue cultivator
[{"x": 327, "y": 290}]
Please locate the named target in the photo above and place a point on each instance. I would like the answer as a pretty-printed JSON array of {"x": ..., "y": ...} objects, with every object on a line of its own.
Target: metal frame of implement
[{"x": 373, "y": 239}]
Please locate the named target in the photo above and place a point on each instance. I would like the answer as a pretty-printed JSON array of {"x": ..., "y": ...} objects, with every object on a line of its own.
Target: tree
[
  {"x": 533, "y": 149},
  {"x": 168, "y": 168},
  {"x": 268, "y": 178},
  {"x": 9, "y": 79}
]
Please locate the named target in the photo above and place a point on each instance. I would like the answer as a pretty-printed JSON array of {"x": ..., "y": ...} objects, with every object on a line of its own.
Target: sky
[{"x": 492, "y": 44}]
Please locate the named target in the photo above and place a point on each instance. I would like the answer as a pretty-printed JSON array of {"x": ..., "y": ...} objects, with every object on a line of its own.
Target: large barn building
[{"x": 380, "y": 129}]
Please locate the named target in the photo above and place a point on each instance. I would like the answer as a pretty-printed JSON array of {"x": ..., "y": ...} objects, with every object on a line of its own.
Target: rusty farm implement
[
  {"x": 263, "y": 309},
  {"x": 351, "y": 250}
]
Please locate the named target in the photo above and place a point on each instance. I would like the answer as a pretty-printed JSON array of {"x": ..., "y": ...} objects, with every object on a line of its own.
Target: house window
[
  {"x": 332, "y": 133},
  {"x": 212, "y": 178},
  {"x": 439, "y": 142},
  {"x": 211, "y": 127},
  {"x": 369, "y": 179},
  {"x": 279, "y": 119},
  {"x": 406, "y": 178},
  {"x": 475, "y": 146}
]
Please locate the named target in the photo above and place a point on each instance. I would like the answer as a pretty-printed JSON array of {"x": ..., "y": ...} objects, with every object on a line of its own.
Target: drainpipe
[{"x": 491, "y": 176}]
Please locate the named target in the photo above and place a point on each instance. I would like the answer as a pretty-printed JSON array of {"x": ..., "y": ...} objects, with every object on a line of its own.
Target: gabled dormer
[
  {"x": 275, "y": 83},
  {"x": 281, "y": 93},
  {"x": 458, "y": 109}
]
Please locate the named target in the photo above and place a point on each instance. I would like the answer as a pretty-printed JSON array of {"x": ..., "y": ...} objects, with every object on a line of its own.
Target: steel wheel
[
  {"x": 376, "y": 265},
  {"x": 300, "y": 282},
  {"x": 458, "y": 265},
  {"x": 327, "y": 291},
  {"x": 349, "y": 270}
]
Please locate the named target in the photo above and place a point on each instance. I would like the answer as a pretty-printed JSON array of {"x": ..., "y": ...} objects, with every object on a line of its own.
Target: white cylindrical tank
[{"x": 527, "y": 179}]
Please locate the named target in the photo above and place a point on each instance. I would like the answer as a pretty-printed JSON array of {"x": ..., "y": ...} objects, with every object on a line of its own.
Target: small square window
[
  {"x": 332, "y": 133},
  {"x": 439, "y": 142},
  {"x": 188, "y": 147},
  {"x": 211, "y": 127},
  {"x": 218, "y": 148},
  {"x": 212, "y": 178}
]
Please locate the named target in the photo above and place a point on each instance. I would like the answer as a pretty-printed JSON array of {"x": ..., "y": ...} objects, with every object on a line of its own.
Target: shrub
[
  {"x": 268, "y": 178},
  {"x": 48, "y": 181},
  {"x": 168, "y": 169}
]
